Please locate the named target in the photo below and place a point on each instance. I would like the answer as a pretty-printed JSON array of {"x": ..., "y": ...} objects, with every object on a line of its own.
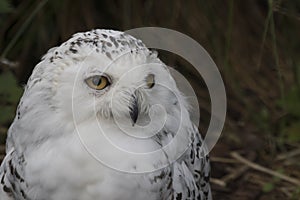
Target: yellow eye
[
  {"x": 150, "y": 81},
  {"x": 97, "y": 82}
]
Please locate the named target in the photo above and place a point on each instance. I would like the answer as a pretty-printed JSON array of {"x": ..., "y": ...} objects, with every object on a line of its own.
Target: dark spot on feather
[
  {"x": 140, "y": 44},
  {"x": 192, "y": 154},
  {"x": 124, "y": 43},
  {"x": 114, "y": 41},
  {"x": 23, "y": 194},
  {"x": 18, "y": 176},
  {"x": 109, "y": 44},
  {"x": 6, "y": 189},
  {"x": 2, "y": 179},
  {"x": 206, "y": 178},
  {"x": 13, "y": 185},
  {"x": 179, "y": 196},
  {"x": 207, "y": 158},
  {"x": 189, "y": 192},
  {"x": 108, "y": 55},
  {"x": 169, "y": 185},
  {"x": 160, "y": 176},
  {"x": 73, "y": 50},
  {"x": 11, "y": 167}
]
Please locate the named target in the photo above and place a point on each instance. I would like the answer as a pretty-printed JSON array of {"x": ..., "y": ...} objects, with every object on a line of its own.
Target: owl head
[{"x": 107, "y": 75}]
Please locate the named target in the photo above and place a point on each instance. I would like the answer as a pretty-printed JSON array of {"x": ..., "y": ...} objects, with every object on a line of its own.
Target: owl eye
[
  {"x": 97, "y": 82},
  {"x": 150, "y": 81}
]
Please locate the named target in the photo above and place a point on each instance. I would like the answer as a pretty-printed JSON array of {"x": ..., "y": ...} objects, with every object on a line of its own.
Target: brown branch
[
  {"x": 234, "y": 175},
  {"x": 218, "y": 182},
  {"x": 264, "y": 169},
  {"x": 223, "y": 160},
  {"x": 288, "y": 154}
]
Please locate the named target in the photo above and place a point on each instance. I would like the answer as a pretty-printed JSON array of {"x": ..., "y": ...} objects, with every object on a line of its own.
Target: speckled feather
[{"x": 46, "y": 159}]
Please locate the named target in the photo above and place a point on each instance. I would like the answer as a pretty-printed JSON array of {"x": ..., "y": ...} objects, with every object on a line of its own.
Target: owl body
[{"x": 86, "y": 127}]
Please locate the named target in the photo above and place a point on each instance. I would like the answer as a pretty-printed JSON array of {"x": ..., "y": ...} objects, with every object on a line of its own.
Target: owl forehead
[{"x": 108, "y": 43}]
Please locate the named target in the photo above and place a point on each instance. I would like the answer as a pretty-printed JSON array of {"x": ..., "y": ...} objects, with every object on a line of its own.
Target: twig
[
  {"x": 237, "y": 173},
  {"x": 288, "y": 154},
  {"x": 218, "y": 182},
  {"x": 223, "y": 160},
  {"x": 8, "y": 64},
  {"x": 263, "y": 169}
]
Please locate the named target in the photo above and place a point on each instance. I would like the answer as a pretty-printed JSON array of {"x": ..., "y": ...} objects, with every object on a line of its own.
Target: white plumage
[{"x": 107, "y": 79}]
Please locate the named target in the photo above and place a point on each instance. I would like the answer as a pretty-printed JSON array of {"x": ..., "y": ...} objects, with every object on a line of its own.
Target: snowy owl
[{"x": 90, "y": 122}]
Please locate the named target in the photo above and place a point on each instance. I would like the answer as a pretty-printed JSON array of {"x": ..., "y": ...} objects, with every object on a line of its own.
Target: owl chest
[
  {"x": 68, "y": 172},
  {"x": 100, "y": 183}
]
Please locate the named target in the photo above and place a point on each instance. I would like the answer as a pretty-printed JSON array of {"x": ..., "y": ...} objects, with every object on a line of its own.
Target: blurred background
[{"x": 255, "y": 44}]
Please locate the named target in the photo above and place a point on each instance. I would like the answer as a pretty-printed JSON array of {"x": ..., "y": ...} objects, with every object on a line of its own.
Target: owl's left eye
[
  {"x": 150, "y": 81},
  {"x": 97, "y": 82}
]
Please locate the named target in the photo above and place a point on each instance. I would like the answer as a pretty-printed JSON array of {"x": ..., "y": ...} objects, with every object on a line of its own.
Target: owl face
[{"x": 123, "y": 86}]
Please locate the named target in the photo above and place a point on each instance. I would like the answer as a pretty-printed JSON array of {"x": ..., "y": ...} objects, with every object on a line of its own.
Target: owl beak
[{"x": 134, "y": 110}]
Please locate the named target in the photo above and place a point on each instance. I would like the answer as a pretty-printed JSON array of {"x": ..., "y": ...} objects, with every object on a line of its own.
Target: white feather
[{"x": 54, "y": 144}]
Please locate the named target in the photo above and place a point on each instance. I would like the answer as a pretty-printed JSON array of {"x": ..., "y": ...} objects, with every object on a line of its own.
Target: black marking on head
[
  {"x": 108, "y": 55},
  {"x": 78, "y": 42},
  {"x": 108, "y": 44},
  {"x": 73, "y": 50},
  {"x": 124, "y": 43},
  {"x": 95, "y": 42},
  {"x": 140, "y": 44},
  {"x": 114, "y": 41}
]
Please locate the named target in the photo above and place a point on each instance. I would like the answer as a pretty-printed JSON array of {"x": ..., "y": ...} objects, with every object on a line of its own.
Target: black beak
[{"x": 134, "y": 110}]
